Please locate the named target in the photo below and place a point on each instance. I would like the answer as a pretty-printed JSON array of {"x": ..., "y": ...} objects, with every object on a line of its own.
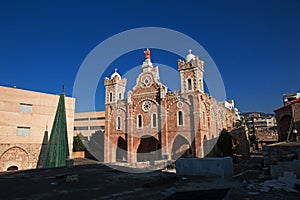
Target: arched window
[
  {"x": 180, "y": 118},
  {"x": 204, "y": 120},
  {"x": 154, "y": 120},
  {"x": 139, "y": 121},
  {"x": 200, "y": 84},
  {"x": 12, "y": 168},
  {"x": 118, "y": 123},
  {"x": 110, "y": 97},
  {"x": 189, "y": 84}
]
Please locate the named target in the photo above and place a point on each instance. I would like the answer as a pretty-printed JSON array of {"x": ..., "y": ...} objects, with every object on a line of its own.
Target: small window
[
  {"x": 200, "y": 83},
  {"x": 204, "y": 120},
  {"x": 154, "y": 120},
  {"x": 139, "y": 121},
  {"x": 95, "y": 128},
  {"x": 118, "y": 123},
  {"x": 81, "y": 119},
  {"x": 120, "y": 96},
  {"x": 189, "y": 83},
  {"x": 180, "y": 118},
  {"x": 23, "y": 131},
  {"x": 81, "y": 128},
  {"x": 110, "y": 97},
  {"x": 97, "y": 118},
  {"x": 27, "y": 108}
]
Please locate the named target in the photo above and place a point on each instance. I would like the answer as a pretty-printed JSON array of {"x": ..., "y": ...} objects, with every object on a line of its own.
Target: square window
[
  {"x": 27, "y": 108},
  {"x": 23, "y": 131}
]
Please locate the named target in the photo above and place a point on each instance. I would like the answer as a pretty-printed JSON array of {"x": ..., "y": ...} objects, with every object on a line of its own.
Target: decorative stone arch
[
  {"x": 181, "y": 147},
  {"x": 121, "y": 151},
  {"x": 14, "y": 156},
  {"x": 176, "y": 101},
  {"x": 140, "y": 81},
  {"x": 119, "y": 109},
  {"x": 140, "y": 101},
  {"x": 116, "y": 111},
  {"x": 148, "y": 149}
]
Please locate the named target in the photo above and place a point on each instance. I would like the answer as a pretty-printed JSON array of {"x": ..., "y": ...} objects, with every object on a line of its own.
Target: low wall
[
  {"x": 211, "y": 167},
  {"x": 282, "y": 157},
  {"x": 78, "y": 154},
  {"x": 282, "y": 151}
]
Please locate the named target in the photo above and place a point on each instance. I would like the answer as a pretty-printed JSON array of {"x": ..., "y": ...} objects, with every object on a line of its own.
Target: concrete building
[
  {"x": 287, "y": 98},
  {"x": 263, "y": 129},
  {"x": 262, "y": 122},
  {"x": 87, "y": 123},
  {"x": 26, "y": 119},
  {"x": 153, "y": 123}
]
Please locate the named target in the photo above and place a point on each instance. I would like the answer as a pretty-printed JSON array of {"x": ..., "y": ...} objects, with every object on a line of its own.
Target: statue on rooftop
[{"x": 147, "y": 54}]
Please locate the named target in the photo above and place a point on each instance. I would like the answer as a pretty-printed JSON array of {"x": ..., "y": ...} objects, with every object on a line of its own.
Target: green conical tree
[{"x": 58, "y": 149}]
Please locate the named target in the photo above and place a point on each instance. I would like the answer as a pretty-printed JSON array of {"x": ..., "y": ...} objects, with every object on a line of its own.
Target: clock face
[{"x": 146, "y": 80}]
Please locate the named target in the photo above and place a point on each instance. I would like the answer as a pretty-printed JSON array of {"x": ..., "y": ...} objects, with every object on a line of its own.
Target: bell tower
[
  {"x": 191, "y": 73},
  {"x": 115, "y": 88}
]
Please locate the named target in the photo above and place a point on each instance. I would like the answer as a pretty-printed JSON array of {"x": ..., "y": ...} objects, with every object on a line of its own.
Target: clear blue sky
[{"x": 255, "y": 44}]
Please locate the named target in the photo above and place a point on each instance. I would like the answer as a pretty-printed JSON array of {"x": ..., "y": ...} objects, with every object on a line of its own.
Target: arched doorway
[
  {"x": 148, "y": 149},
  {"x": 121, "y": 152},
  {"x": 14, "y": 156},
  {"x": 181, "y": 148},
  {"x": 285, "y": 123},
  {"x": 12, "y": 168}
]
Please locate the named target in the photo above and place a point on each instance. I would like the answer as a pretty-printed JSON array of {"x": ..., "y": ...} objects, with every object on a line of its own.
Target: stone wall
[
  {"x": 23, "y": 156},
  {"x": 282, "y": 157}
]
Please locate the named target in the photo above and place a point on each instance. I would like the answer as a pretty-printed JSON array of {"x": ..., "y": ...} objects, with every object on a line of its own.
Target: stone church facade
[{"x": 153, "y": 123}]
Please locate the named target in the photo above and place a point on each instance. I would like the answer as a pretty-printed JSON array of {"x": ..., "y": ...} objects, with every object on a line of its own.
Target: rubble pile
[{"x": 288, "y": 183}]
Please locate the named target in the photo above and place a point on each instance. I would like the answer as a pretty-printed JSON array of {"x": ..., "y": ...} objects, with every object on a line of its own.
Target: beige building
[
  {"x": 87, "y": 123},
  {"x": 262, "y": 121},
  {"x": 25, "y": 118}
]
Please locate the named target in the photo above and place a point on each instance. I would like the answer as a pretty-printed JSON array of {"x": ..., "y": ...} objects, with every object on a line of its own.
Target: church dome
[
  {"x": 190, "y": 56},
  {"x": 115, "y": 74}
]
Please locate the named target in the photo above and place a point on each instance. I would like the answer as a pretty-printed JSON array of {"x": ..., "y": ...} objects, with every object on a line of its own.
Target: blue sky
[{"x": 255, "y": 44}]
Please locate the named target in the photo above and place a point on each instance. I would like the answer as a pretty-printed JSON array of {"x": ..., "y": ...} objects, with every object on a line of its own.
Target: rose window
[{"x": 146, "y": 106}]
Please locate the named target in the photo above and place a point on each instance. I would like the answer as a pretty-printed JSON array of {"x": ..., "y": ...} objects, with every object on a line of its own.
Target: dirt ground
[{"x": 97, "y": 181}]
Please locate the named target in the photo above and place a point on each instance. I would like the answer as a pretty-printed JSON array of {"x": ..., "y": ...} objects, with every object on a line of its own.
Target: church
[{"x": 153, "y": 123}]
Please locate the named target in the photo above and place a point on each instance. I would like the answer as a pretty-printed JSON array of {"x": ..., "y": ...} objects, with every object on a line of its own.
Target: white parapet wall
[{"x": 211, "y": 167}]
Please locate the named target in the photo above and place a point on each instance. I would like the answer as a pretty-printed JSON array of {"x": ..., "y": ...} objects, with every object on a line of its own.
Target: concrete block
[
  {"x": 289, "y": 174},
  {"x": 211, "y": 167}
]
